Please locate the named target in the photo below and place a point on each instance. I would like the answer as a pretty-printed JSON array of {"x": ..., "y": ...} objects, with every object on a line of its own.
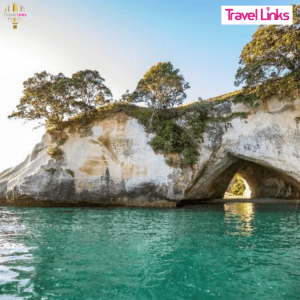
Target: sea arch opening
[
  {"x": 238, "y": 188},
  {"x": 263, "y": 180},
  {"x": 258, "y": 179}
]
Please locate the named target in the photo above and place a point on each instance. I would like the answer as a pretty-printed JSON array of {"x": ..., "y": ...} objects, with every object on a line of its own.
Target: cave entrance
[
  {"x": 238, "y": 188},
  {"x": 260, "y": 180},
  {"x": 248, "y": 179}
]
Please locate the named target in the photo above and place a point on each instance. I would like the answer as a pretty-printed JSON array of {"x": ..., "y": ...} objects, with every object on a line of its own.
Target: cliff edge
[{"x": 114, "y": 163}]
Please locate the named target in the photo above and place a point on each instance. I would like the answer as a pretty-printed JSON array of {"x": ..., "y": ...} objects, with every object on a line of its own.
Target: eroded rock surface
[{"x": 114, "y": 164}]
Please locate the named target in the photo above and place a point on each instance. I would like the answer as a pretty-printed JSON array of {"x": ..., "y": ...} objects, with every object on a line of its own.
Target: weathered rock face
[
  {"x": 114, "y": 163},
  {"x": 264, "y": 149}
]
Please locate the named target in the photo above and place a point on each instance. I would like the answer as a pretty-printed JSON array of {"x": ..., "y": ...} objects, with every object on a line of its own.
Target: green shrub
[
  {"x": 169, "y": 161},
  {"x": 172, "y": 138},
  {"x": 143, "y": 116},
  {"x": 246, "y": 99},
  {"x": 70, "y": 172},
  {"x": 54, "y": 151},
  {"x": 191, "y": 156}
]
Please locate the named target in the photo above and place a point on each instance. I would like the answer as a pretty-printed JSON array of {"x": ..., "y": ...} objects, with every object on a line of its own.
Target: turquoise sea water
[{"x": 226, "y": 251}]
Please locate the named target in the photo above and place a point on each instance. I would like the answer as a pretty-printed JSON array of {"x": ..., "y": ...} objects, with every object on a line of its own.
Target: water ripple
[{"x": 239, "y": 251}]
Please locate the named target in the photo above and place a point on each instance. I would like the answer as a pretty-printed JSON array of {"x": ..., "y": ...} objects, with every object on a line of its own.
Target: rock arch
[
  {"x": 264, "y": 148},
  {"x": 264, "y": 180},
  {"x": 233, "y": 182}
]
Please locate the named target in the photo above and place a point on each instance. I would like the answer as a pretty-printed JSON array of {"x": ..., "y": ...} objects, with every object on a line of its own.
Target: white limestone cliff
[{"x": 115, "y": 164}]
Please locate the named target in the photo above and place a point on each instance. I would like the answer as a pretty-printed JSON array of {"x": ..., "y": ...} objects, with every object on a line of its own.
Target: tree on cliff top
[
  {"x": 56, "y": 98},
  {"x": 274, "y": 51},
  {"x": 45, "y": 96},
  {"x": 87, "y": 86},
  {"x": 161, "y": 87}
]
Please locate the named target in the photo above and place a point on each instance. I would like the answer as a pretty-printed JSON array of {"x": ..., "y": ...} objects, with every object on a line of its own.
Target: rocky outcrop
[
  {"x": 114, "y": 164},
  {"x": 264, "y": 149}
]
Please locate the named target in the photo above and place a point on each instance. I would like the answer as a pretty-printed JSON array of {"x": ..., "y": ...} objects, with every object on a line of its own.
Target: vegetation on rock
[
  {"x": 89, "y": 90},
  {"x": 53, "y": 99},
  {"x": 77, "y": 102},
  {"x": 44, "y": 100},
  {"x": 161, "y": 87},
  {"x": 70, "y": 172},
  {"x": 225, "y": 97},
  {"x": 238, "y": 188},
  {"x": 270, "y": 63},
  {"x": 54, "y": 151},
  {"x": 172, "y": 138},
  {"x": 274, "y": 51}
]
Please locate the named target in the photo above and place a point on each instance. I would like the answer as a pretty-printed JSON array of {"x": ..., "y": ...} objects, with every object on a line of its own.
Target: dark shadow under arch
[{"x": 264, "y": 181}]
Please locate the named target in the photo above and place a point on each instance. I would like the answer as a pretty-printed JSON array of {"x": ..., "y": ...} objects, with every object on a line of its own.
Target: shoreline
[{"x": 164, "y": 204}]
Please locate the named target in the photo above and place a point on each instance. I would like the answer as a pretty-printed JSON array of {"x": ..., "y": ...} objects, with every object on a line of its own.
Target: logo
[
  {"x": 257, "y": 15},
  {"x": 15, "y": 14}
]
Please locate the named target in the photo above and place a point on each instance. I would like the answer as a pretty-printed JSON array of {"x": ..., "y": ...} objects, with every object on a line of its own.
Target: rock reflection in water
[
  {"x": 239, "y": 218},
  {"x": 201, "y": 252}
]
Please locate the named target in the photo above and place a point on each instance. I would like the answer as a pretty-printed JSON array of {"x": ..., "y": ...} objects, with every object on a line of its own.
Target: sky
[{"x": 121, "y": 40}]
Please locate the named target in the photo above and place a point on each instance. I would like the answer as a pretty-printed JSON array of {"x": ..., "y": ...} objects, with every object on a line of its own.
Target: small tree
[
  {"x": 88, "y": 88},
  {"x": 161, "y": 87},
  {"x": 45, "y": 97},
  {"x": 274, "y": 51},
  {"x": 56, "y": 98}
]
